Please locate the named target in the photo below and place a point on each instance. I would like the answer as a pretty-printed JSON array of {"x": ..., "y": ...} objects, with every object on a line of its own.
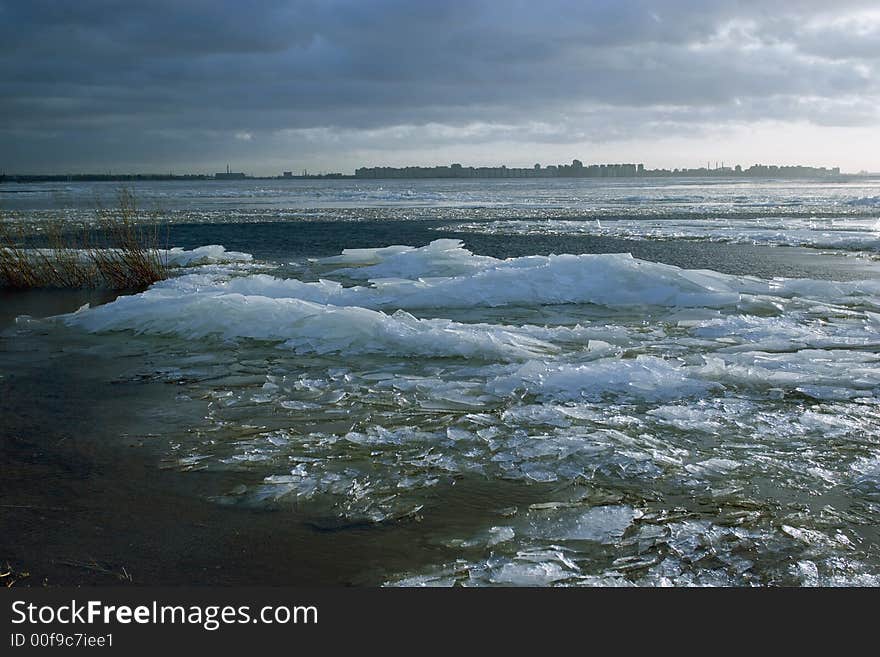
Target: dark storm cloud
[{"x": 168, "y": 81}]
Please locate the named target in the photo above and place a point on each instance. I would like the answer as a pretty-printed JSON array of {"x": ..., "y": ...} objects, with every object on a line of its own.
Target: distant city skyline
[
  {"x": 331, "y": 86},
  {"x": 456, "y": 170}
]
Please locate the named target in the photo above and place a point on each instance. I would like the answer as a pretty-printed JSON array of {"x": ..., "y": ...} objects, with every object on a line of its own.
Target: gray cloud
[{"x": 169, "y": 83}]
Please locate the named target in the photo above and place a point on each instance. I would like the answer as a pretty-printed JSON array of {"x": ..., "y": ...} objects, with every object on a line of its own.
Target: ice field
[{"x": 597, "y": 418}]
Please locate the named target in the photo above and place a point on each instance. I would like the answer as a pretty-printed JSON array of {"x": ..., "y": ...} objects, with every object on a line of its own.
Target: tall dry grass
[{"x": 115, "y": 252}]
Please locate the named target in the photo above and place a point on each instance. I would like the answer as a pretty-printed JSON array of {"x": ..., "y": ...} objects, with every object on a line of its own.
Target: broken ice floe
[{"x": 366, "y": 404}]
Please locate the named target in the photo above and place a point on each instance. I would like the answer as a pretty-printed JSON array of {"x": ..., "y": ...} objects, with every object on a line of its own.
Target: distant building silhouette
[
  {"x": 229, "y": 175},
  {"x": 577, "y": 169}
]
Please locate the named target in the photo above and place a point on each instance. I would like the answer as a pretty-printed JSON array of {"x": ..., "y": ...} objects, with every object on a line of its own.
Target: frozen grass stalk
[{"x": 117, "y": 252}]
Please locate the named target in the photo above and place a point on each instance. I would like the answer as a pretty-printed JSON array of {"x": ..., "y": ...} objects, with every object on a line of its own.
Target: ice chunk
[
  {"x": 203, "y": 255},
  {"x": 303, "y": 326},
  {"x": 713, "y": 466},
  {"x": 688, "y": 417},
  {"x": 445, "y": 257},
  {"x": 365, "y": 256},
  {"x": 835, "y": 371},
  {"x": 644, "y": 377},
  {"x": 601, "y": 524}
]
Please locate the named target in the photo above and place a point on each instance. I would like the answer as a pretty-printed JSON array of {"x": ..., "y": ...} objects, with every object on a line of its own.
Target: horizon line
[{"x": 723, "y": 167}]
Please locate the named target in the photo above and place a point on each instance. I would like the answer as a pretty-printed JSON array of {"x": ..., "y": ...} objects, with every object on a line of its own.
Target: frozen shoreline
[{"x": 613, "y": 386}]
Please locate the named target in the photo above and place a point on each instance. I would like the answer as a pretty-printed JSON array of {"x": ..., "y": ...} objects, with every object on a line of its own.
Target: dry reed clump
[{"x": 115, "y": 253}]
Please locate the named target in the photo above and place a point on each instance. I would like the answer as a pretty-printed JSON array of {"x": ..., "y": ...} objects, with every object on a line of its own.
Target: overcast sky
[{"x": 187, "y": 85}]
